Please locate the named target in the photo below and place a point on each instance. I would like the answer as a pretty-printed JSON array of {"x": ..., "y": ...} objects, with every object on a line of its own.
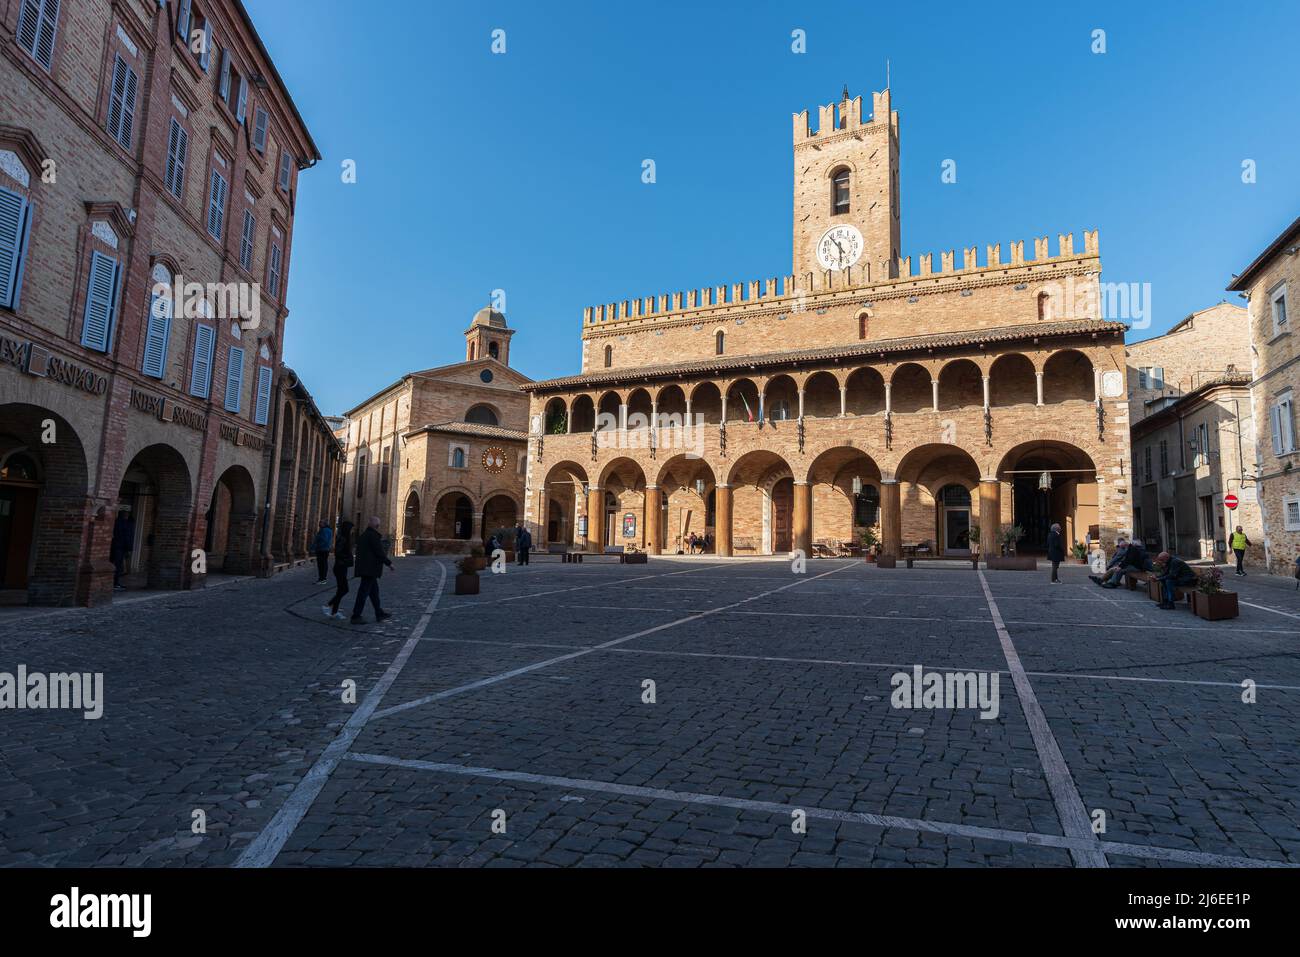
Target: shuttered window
[
  {"x": 15, "y": 224},
  {"x": 259, "y": 131},
  {"x": 121, "y": 104},
  {"x": 201, "y": 366},
  {"x": 38, "y": 24},
  {"x": 217, "y": 194},
  {"x": 246, "y": 243},
  {"x": 241, "y": 110},
  {"x": 205, "y": 55},
  {"x": 284, "y": 170},
  {"x": 1283, "y": 423},
  {"x": 223, "y": 88},
  {"x": 183, "y": 20},
  {"x": 234, "y": 379},
  {"x": 273, "y": 277},
  {"x": 158, "y": 332},
  {"x": 178, "y": 148},
  {"x": 101, "y": 302},
  {"x": 262, "y": 410}
]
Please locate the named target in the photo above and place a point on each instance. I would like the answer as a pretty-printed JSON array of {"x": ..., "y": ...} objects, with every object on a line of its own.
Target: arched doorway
[
  {"x": 412, "y": 532},
  {"x": 1051, "y": 482},
  {"x": 937, "y": 482},
  {"x": 453, "y": 518},
  {"x": 566, "y": 505},
  {"x": 845, "y": 497},
  {"x": 782, "y": 515},
  {"x": 762, "y": 504},
  {"x": 687, "y": 489},
  {"x": 232, "y": 520},
  {"x": 500, "y": 513},
  {"x": 43, "y": 513},
  {"x": 156, "y": 495},
  {"x": 624, "y": 487}
]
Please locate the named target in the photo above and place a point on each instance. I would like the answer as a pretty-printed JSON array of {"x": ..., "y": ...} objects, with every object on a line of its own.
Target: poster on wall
[
  {"x": 582, "y": 525},
  {"x": 629, "y": 525}
]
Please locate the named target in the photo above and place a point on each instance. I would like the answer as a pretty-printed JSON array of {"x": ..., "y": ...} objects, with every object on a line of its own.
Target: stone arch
[
  {"x": 1012, "y": 380},
  {"x": 910, "y": 388},
  {"x": 609, "y": 411},
  {"x": 688, "y": 491},
  {"x": 639, "y": 404},
  {"x": 555, "y": 417},
  {"x": 844, "y": 495},
  {"x": 623, "y": 488},
  {"x": 922, "y": 473},
  {"x": 1068, "y": 375},
  {"x": 961, "y": 385},
  {"x": 762, "y": 504},
  {"x": 564, "y": 503},
  {"x": 50, "y": 518},
  {"x": 706, "y": 400},
  {"x": 453, "y": 515},
  {"x": 821, "y": 395},
  {"x": 1072, "y": 498},
  {"x": 414, "y": 537},
  {"x": 157, "y": 489},
  {"x": 501, "y": 511},
  {"x": 582, "y": 414},
  {"x": 780, "y": 398},
  {"x": 864, "y": 392},
  {"x": 742, "y": 400},
  {"x": 232, "y": 523},
  {"x": 671, "y": 400},
  {"x": 483, "y": 413}
]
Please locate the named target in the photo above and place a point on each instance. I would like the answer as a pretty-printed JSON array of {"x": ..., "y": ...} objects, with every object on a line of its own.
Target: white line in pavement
[
  {"x": 790, "y": 614},
  {"x": 968, "y": 831},
  {"x": 1069, "y": 805},
  {"x": 559, "y": 591},
  {"x": 1250, "y": 604},
  {"x": 264, "y": 849},
  {"x": 515, "y": 672},
  {"x": 1225, "y": 629}
]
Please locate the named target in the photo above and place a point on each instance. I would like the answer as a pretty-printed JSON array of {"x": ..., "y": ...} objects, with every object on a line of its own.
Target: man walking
[
  {"x": 370, "y": 561},
  {"x": 321, "y": 546},
  {"x": 523, "y": 542},
  {"x": 1239, "y": 544},
  {"x": 1055, "y": 552},
  {"x": 121, "y": 546}
]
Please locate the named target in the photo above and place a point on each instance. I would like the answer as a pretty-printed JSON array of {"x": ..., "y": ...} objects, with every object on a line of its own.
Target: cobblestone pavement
[{"x": 514, "y": 727}]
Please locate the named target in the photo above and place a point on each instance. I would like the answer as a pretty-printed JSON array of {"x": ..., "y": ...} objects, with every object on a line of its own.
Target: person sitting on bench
[
  {"x": 1177, "y": 574},
  {"x": 1129, "y": 556}
]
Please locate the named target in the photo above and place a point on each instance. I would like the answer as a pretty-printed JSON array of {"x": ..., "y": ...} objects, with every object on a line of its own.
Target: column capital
[
  {"x": 652, "y": 488},
  {"x": 990, "y": 478},
  {"x": 722, "y": 485},
  {"x": 889, "y": 481}
]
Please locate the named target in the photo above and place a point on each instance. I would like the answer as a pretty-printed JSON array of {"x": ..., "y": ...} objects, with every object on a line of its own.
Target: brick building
[
  {"x": 862, "y": 389},
  {"x": 1193, "y": 435},
  {"x": 1270, "y": 284},
  {"x": 439, "y": 455},
  {"x": 149, "y": 155}
]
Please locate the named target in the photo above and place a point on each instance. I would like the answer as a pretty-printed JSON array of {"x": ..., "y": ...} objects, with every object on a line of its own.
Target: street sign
[{"x": 1230, "y": 501}]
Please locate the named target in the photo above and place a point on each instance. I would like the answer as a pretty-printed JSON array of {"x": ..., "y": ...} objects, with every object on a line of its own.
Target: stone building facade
[
  {"x": 1193, "y": 435},
  {"x": 439, "y": 455},
  {"x": 1270, "y": 284},
  {"x": 862, "y": 390},
  {"x": 149, "y": 155}
]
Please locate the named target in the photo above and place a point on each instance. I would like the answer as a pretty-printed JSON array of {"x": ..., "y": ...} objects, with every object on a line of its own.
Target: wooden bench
[
  {"x": 744, "y": 545},
  {"x": 1133, "y": 575}
]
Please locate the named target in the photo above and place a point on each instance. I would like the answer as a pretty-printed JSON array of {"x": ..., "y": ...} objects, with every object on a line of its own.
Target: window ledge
[{"x": 1277, "y": 336}]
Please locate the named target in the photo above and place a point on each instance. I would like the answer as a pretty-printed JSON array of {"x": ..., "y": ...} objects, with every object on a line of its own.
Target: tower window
[
  {"x": 1044, "y": 306},
  {"x": 720, "y": 342},
  {"x": 609, "y": 356},
  {"x": 493, "y": 350},
  {"x": 840, "y": 192}
]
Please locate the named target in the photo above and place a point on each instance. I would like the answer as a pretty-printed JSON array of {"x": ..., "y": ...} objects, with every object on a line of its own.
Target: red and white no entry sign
[{"x": 1230, "y": 501}]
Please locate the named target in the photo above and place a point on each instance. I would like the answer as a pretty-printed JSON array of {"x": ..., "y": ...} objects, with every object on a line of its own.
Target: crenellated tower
[{"x": 846, "y": 203}]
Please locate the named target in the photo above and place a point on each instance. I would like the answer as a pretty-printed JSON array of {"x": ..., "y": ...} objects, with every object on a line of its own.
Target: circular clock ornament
[
  {"x": 840, "y": 247},
  {"x": 494, "y": 459}
]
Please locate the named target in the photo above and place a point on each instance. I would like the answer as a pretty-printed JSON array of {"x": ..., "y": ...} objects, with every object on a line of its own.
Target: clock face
[
  {"x": 839, "y": 247},
  {"x": 494, "y": 460}
]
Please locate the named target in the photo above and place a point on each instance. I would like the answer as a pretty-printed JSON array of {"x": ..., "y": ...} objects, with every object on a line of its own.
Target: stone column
[
  {"x": 803, "y": 516},
  {"x": 986, "y": 392},
  {"x": 722, "y": 510},
  {"x": 891, "y": 517},
  {"x": 889, "y": 402},
  {"x": 595, "y": 520},
  {"x": 990, "y": 517},
  {"x": 934, "y": 390},
  {"x": 1039, "y": 377},
  {"x": 653, "y": 509},
  {"x": 801, "y": 401},
  {"x": 844, "y": 400}
]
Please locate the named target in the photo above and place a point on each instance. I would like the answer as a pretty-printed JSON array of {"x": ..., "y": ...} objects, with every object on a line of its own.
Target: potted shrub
[
  {"x": 1009, "y": 535},
  {"x": 1210, "y": 601},
  {"x": 1080, "y": 552},
  {"x": 870, "y": 543},
  {"x": 467, "y": 577}
]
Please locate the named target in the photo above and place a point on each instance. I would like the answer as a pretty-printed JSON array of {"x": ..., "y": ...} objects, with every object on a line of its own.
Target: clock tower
[{"x": 846, "y": 210}]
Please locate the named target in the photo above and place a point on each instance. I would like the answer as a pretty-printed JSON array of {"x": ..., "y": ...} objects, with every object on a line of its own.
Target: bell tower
[
  {"x": 488, "y": 337},
  {"x": 845, "y": 186}
]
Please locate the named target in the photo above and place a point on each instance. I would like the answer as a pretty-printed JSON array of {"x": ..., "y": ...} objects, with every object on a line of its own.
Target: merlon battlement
[
  {"x": 844, "y": 116},
  {"x": 862, "y": 275}
]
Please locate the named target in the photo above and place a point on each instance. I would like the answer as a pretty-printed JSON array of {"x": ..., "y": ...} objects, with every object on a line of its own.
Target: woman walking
[
  {"x": 1055, "y": 552},
  {"x": 342, "y": 562}
]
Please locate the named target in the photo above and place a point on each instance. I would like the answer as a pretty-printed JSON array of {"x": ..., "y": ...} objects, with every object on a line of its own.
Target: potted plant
[
  {"x": 1210, "y": 601},
  {"x": 1080, "y": 552},
  {"x": 870, "y": 543},
  {"x": 477, "y": 557},
  {"x": 975, "y": 539},
  {"x": 467, "y": 577},
  {"x": 1009, "y": 535}
]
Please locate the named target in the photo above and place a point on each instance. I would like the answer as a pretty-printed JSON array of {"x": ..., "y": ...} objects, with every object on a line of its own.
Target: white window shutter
[
  {"x": 15, "y": 219},
  {"x": 205, "y": 57},
  {"x": 1288, "y": 425},
  {"x": 1275, "y": 421},
  {"x": 101, "y": 303},
  {"x": 262, "y": 409},
  {"x": 201, "y": 366},
  {"x": 1159, "y": 373},
  {"x": 157, "y": 334},
  {"x": 242, "y": 109},
  {"x": 234, "y": 378},
  {"x": 224, "y": 88}
]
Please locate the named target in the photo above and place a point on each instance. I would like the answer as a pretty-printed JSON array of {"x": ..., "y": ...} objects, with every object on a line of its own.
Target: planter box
[
  {"x": 466, "y": 584},
  {"x": 1011, "y": 563},
  {"x": 886, "y": 561},
  {"x": 634, "y": 558},
  {"x": 1216, "y": 607}
]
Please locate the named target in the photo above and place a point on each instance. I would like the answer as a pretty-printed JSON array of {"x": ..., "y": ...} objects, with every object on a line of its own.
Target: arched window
[
  {"x": 609, "y": 356},
  {"x": 840, "y": 192},
  {"x": 1044, "y": 306},
  {"x": 493, "y": 350},
  {"x": 719, "y": 342},
  {"x": 482, "y": 415},
  {"x": 471, "y": 352},
  {"x": 458, "y": 458},
  {"x": 862, "y": 324}
]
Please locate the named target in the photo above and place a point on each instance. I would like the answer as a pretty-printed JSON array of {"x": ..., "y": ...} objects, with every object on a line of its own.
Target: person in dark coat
[
  {"x": 370, "y": 561},
  {"x": 321, "y": 546},
  {"x": 122, "y": 545},
  {"x": 523, "y": 542},
  {"x": 342, "y": 562},
  {"x": 1177, "y": 574},
  {"x": 1055, "y": 552}
]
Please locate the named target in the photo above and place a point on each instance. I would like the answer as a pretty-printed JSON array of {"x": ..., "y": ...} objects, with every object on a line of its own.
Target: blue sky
[{"x": 522, "y": 171}]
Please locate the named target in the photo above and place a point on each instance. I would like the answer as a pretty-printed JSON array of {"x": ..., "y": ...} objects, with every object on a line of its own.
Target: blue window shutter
[
  {"x": 217, "y": 206},
  {"x": 246, "y": 243},
  {"x": 157, "y": 334},
  {"x": 224, "y": 88},
  {"x": 241, "y": 110},
  {"x": 259, "y": 130},
  {"x": 234, "y": 378},
  {"x": 38, "y": 25},
  {"x": 205, "y": 57},
  {"x": 183, "y": 20},
  {"x": 201, "y": 366},
  {"x": 178, "y": 147},
  {"x": 284, "y": 169},
  {"x": 15, "y": 220},
  {"x": 101, "y": 303},
  {"x": 263, "y": 408},
  {"x": 121, "y": 107},
  {"x": 276, "y": 267}
]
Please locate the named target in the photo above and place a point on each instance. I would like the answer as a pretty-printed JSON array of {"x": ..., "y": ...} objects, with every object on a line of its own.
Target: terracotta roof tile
[{"x": 473, "y": 428}]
